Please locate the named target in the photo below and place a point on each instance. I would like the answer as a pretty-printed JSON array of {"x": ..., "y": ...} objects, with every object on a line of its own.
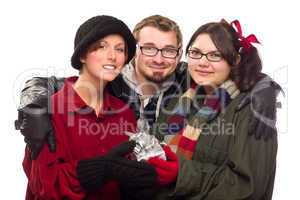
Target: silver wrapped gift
[{"x": 147, "y": 146}]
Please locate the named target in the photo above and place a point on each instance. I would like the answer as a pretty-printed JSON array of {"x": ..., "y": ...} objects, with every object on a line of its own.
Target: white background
[{"x": 36, "y": 38}]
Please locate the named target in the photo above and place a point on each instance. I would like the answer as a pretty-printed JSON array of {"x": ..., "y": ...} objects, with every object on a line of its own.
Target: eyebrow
[
  {"x": 196, "y": 48},
  {"x": 121, "y": 44},
  {"x": 166, "y": 46},
  {"x": 118, "y": 44},
  {"x": 170, "y": 46}
]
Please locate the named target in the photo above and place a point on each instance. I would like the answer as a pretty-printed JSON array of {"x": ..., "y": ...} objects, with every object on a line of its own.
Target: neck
[
  {"x": 147, "y": 87},
  {"x": 91, "y": 90},
  {"x": 208, "y": 89}
]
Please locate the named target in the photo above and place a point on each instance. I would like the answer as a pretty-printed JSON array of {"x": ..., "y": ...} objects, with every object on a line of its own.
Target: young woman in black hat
[{"x": 89, "y": 123}]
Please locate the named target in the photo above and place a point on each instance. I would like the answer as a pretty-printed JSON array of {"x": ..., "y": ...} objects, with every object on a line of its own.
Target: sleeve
[
  {"x": 38, "y": 90},
  {"x": 53, "y": 175},
  {"x": 58, "y": 176},
  {"x": 246, "y": 171},
  {"x": 263, "y": 100}
]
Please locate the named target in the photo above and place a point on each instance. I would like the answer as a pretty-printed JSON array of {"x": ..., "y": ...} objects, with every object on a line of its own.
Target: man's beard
[{"x": 157, "y": 77}]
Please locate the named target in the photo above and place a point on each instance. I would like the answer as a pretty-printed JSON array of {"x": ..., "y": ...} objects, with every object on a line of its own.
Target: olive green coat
[{"x": 228, "y": 162}]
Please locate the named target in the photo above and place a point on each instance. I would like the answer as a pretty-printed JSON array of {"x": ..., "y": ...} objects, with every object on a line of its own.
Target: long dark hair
[{"x": 247, "y": 71}]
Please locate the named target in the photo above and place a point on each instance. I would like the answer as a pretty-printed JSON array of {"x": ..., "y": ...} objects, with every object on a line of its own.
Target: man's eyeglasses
[
  {"x": 213, "y": 56},
  {"x": 165, "y": 52}
]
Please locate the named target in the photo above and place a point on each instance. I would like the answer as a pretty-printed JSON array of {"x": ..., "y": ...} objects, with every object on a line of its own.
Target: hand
[
  {"x": 33, "y": 120},
  {"x": 131, "y": 173},
  {"x": 35, "y": 125},
  {"x": 262, "y": 99},
  {"x": 137, "y": 179},
  {"x": 167, "y": 171},
  {"x": 122, "y": 149},
  {"x": 95, "y": 172}
]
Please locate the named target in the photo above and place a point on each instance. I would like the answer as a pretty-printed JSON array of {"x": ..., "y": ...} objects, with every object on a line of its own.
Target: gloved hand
[
  {"x": 262, "y": 99},
  {"x": 33, "y": 119},
  {"x": 167, "y": 171},
  {"x": 36, "y": 127},
  {"x": 136, "y": 179}
]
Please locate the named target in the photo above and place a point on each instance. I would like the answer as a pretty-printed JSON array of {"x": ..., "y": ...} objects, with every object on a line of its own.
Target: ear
[
  {"x": 179, "y": 54},
  {"x": 82, "y": 60},
  {"x": 238, "y": 59}
]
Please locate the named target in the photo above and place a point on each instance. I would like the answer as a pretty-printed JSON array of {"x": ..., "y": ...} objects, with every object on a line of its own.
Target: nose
[
  {"x": 203, "y": 62},
  {"x": 111, "y": 54},
  {"x": 158, "y": 58}
]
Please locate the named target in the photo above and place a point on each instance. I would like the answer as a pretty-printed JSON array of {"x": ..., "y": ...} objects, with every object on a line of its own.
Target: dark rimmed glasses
[
  {"x": 213, "y": 56},
  {"x": 166, "y": 52}
]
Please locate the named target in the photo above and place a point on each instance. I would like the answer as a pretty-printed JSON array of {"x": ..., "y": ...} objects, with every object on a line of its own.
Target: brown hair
[
  {"x": 244, "y": 73},
  {"x": 161, "y": 23}
]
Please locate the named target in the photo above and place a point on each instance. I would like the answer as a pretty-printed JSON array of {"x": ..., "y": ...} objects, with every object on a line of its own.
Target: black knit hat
[{"x": 96, "y": 28}]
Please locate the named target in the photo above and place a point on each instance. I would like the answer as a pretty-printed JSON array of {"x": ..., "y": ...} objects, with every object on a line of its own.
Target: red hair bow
[{"x": 246, "y": 42}]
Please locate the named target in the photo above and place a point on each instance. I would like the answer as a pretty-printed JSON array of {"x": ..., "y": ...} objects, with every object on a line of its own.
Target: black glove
[
  {"x": 136, "y": 179},
  {"x": 33, "y": 118},
  {"x": 35, "y": 125},
  {"x": 262, "y": 99}
]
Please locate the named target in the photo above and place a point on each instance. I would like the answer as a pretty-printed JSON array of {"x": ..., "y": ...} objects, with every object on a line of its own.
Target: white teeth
[{"x": 110, "y": 67}]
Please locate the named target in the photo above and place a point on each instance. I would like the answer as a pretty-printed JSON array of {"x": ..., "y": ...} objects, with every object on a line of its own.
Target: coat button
[{"x": 98, "y": 120}]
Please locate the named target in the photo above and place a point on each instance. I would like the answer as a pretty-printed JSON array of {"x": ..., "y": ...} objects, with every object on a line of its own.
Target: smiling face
[
  {"x": 104, "y": 59},
  {"x": 155, "y": 68},
  {"x": 203, "y": 71}
]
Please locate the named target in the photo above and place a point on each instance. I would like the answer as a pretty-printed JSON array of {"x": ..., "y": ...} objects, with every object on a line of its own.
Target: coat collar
[{"x": 74, "y": 103}]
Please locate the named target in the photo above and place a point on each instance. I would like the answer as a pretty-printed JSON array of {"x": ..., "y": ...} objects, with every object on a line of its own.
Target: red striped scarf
[{"x": 184, "y": 142}]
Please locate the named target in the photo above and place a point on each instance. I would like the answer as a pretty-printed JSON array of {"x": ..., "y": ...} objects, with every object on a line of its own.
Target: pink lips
[
  {"x": 203, "y": 72},
  {"x": 157, "y": 67}
]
